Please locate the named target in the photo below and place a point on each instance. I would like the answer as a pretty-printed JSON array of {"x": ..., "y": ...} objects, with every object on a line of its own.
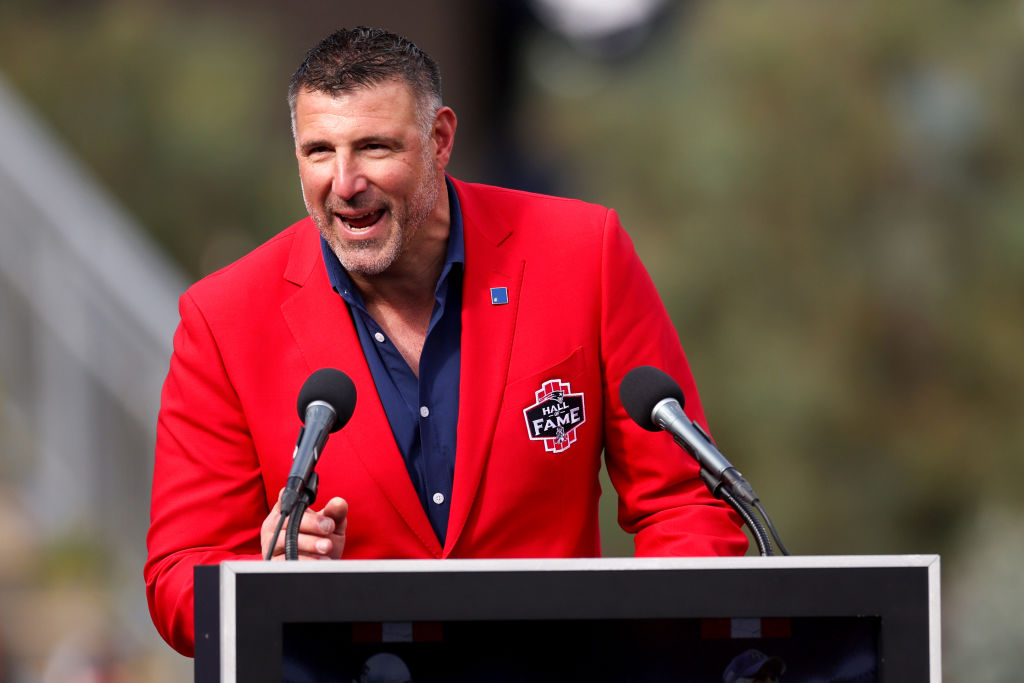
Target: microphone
[
  {"x": 655, "y": 402},
  {"x": 325, "y": 405}
]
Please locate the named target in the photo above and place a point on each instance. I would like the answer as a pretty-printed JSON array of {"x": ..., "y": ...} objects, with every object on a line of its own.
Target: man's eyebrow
[
  {"x": 313, "y": 144},
  {"x": 387, "y": 140}
]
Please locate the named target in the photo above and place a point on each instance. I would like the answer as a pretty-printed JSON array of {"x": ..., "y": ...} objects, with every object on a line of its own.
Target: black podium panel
[{"x": 614, "y": 619}]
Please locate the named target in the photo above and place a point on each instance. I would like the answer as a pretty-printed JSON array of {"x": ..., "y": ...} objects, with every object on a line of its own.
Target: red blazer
[{"x": 581, "y": 309}]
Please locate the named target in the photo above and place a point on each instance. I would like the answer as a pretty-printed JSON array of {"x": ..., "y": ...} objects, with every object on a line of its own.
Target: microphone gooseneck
[{"x": 655, "y": 402}]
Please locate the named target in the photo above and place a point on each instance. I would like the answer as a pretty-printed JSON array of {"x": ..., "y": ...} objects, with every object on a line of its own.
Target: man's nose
[{"x": 349, "y": 179}]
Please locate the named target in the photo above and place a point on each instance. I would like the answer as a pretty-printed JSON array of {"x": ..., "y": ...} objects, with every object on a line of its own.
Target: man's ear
[{"x": 443, "y": 136}]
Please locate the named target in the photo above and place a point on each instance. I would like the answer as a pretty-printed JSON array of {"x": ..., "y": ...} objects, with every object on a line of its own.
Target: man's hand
[{"x": 321, "y": 534}]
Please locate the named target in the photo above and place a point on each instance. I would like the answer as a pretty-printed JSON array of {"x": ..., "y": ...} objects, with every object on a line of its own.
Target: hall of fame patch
[{"x": 555, "y": 416}]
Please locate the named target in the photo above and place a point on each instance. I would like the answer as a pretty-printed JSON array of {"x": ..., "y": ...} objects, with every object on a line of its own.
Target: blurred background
[{"x": 829, "y": 196}]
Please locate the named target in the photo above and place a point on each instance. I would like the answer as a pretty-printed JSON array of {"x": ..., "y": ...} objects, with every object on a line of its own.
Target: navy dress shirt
[{"x": 423, "y": 412}]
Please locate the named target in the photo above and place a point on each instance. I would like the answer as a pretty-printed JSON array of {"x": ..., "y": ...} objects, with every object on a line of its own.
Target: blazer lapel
[
  {"x": 487, "y": 333},
  {"x": 322, "y": 326}
]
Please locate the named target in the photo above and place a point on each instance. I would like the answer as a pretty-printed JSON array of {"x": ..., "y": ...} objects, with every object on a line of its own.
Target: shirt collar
[{"x": 456, "y": 253}]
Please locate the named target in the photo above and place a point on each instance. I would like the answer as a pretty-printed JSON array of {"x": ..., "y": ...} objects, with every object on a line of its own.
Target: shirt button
[
  {"x": 379, "y": 336},
  {"x": 438, "y": 498},
  {"x": 425, "y": 412}
]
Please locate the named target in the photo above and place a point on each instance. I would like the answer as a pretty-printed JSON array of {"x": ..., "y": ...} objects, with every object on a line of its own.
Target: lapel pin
[{"x": 499, "y": 296}]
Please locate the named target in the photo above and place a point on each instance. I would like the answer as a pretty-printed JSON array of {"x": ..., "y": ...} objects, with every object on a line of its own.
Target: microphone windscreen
[
  {"x": 334, "y": 388},
  {"x": 643, "y": 388}
]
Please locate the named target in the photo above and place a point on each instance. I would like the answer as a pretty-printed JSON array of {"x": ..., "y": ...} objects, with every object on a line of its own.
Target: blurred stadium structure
[
  {"x": 89, "y": 306},
  {"x": 87, "y": 310}
]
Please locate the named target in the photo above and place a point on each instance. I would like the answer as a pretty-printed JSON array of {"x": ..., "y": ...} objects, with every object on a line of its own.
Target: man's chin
[
  {"x": 367, "y": 257},
  {"x": 365, "y": 261}
]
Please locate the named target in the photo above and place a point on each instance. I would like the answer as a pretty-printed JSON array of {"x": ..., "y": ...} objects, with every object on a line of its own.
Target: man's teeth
[{"x": 363, "y": 221}]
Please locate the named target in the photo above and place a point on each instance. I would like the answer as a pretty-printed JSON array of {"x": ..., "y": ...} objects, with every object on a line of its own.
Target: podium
[{"x": 828, "y": 618}]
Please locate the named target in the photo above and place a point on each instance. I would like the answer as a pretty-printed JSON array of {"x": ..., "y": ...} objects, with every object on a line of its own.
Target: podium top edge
[{"x": 584, "y": 564}]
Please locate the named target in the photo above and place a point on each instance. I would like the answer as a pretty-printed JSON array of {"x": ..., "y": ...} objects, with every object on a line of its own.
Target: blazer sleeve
[
  {"x": 204, "y": 457},
  {"x": 661, "y": 497}
]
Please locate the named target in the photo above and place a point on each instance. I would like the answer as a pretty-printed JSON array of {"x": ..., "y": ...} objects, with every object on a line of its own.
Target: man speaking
[{"x": 486, "y": 331}]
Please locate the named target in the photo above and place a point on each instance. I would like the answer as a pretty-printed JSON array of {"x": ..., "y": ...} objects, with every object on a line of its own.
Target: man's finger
[
  {"x": 316, "y": 523},
  {"x": 310, "y": 547},
  {"x": 336, "y": 508}
]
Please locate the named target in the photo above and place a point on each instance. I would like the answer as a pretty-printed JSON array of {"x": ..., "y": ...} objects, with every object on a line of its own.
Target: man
[{"x": 486, "y": 331}]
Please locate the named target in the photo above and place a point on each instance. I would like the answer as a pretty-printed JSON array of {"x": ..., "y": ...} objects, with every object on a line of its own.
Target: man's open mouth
[{"x": 362, "y": 221}]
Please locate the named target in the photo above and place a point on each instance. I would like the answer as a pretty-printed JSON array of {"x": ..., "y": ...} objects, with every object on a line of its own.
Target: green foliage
[
  {"x": 180, "y": 113},
  {"x": 827, "y": 195},
  {"x": 74, "y": 558}
]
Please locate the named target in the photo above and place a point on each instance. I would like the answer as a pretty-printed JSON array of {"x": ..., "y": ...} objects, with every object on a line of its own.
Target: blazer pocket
[{"x": 522, "y": 393}]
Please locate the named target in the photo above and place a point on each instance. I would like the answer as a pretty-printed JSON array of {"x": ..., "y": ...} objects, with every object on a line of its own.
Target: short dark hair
[{"x": 355, "y": 58}]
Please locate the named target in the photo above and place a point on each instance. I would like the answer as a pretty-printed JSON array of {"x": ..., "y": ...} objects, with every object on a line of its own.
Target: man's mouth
[{"x": 362, "y": 221}]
